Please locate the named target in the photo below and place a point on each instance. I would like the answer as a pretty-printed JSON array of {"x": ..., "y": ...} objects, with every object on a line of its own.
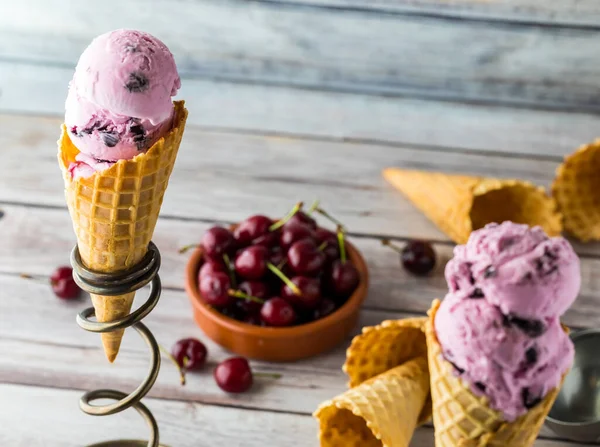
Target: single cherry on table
[
  {"x": 234, "y": 375},
  {"x": 63, "y": 285},
  {"x": 190, "y": 354},
  {"x": 418, "y": 257}
]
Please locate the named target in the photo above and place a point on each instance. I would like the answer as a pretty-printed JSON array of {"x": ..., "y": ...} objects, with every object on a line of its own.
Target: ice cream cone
[
  {"x": 575, "y": 189},
  {"x": 460, "y": 204},
  {"x": 389, "y": 395},
  {"x": 114, "y": 213},
  {"x": 463, "y": 419},
  {"x": 383, "y": 411}
]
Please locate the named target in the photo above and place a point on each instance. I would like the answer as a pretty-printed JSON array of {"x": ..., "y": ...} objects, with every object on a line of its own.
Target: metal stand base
[{"x": 146, "y": 272}]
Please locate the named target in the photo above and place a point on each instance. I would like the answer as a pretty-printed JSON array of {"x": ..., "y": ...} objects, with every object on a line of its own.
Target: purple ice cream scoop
[
  {"x": 499, "y": 324},
  {"x": 517, "y": 268}
]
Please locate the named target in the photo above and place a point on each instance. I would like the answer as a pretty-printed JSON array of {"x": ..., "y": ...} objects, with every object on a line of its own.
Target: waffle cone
[
  {"x": 463, "y": 419},
  {"x": 460, "y": 204},
  {"x": 114, "y": 213},
  {"x": 381, "y": 412},
  {"x": 576, "y": 187}
]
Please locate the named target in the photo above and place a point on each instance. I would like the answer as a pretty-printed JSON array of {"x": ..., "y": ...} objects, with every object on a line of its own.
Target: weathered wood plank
[
  {"x": 34, "y": 89},
  {"x": 54, "y": 420},
  {"x": 563, "y": 12},
  {"x": 323, "y": 48},
  {"x": 29, "y": 243},
  {"x": 33, "y": 321},
  {"x": 59, "y": 423},
  {"x": 227, "y": 176},
  {"x": 40, "y": 349}
]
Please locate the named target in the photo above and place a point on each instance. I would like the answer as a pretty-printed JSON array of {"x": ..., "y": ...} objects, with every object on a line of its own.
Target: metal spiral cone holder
[{"x": 114, "y": 284}]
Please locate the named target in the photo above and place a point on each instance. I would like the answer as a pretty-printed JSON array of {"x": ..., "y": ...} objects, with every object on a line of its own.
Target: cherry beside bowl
[{"x": 278, "y": 344}]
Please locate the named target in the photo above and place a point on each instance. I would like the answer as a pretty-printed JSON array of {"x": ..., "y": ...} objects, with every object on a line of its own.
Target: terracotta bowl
[{"x": 277, "y": 344}]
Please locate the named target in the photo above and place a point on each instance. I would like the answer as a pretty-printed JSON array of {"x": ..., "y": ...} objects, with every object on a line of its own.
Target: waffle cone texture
[
  {"x": 389, "y": 389},
  {"x": 114, "y": 213},
  {"x": 462, "y": 419},
  {"x": 460, "y": 204},
  {"x": 577, "y": 190}
]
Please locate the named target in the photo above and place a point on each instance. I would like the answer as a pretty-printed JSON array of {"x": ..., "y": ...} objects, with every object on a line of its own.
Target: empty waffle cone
[
  {"x": 463, "y": 419},
  {"x": 381, "y": 412},
  {"x": 114, "y": 213},
  {"x": 460, "y": 204},
  {"x": 576, "y": 189},
  {"x": 389, "y": 395}
]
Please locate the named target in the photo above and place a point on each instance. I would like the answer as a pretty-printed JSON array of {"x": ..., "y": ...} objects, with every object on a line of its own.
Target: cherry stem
[
  {"x": 313, "y": 207},
  {"x": 330, "y": 217},
  {"x": 322, "y": 246},
  {"x": 229, "y": 269},
  {"x": 36, "y": 279},
  {"x": 340, "y": 235},
  {"x": 282, "y": 264},
  {"x": 281, "y": 222},
  {"x": 244, "y": 296},
  {"x": 187, "y": 247},
  {"x": 179, "y": 368},
  {"x": 284, "y": 278},
  {"x": 389, "y": 243},
  {"x": 267, "y": 375}
]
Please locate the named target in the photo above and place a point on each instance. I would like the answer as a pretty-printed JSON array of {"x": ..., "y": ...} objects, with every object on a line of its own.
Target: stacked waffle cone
[
  {"x": 114, "y": 213},
  {"x": 399, "y": 380},
  {"x": 389, "y": 389}
]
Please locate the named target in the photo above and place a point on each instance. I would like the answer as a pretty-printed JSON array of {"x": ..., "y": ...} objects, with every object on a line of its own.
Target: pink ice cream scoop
[
  {"x": 499, "y": 324},
  {"x": 119, "y": 100}
]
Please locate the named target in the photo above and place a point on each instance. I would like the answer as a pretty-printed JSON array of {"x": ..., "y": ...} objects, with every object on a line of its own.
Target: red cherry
[
  {"x": 276, "y": 257},
  {"x": 252, "y": 228},
  {"x": 305, "y": 258},
  {"x": 217, "y": 241},
  {"x": 256, "y": 289},
  {"x": 310, "y": 289},
  {"x": 292, "y": 232},
  {"x": 277, "y": 312},
  {"x": 326, "y": 307},
  {"x": 418, "y": 257},
  {"x": 303, "y": 218},
  {"x": 330, "y": 240},
  {"x": 211, "y": 267},
  {"x": 251, "y": 263},
  {"x": 234, "y": 375},
  {"x": 215, "y": 289},
  {"x": 344, "y": 278},
  {"x": 63, "y": 285},
  {"x": 269, "y": 239},
  {"x": 190, "y": 354}
]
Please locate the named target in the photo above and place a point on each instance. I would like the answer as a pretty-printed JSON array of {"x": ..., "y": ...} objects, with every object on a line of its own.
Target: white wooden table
[{"x": 289, "y": 100}]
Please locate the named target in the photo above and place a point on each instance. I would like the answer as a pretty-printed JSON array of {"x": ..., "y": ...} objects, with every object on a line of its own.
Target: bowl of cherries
[{"x": 277, "y": 289}]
